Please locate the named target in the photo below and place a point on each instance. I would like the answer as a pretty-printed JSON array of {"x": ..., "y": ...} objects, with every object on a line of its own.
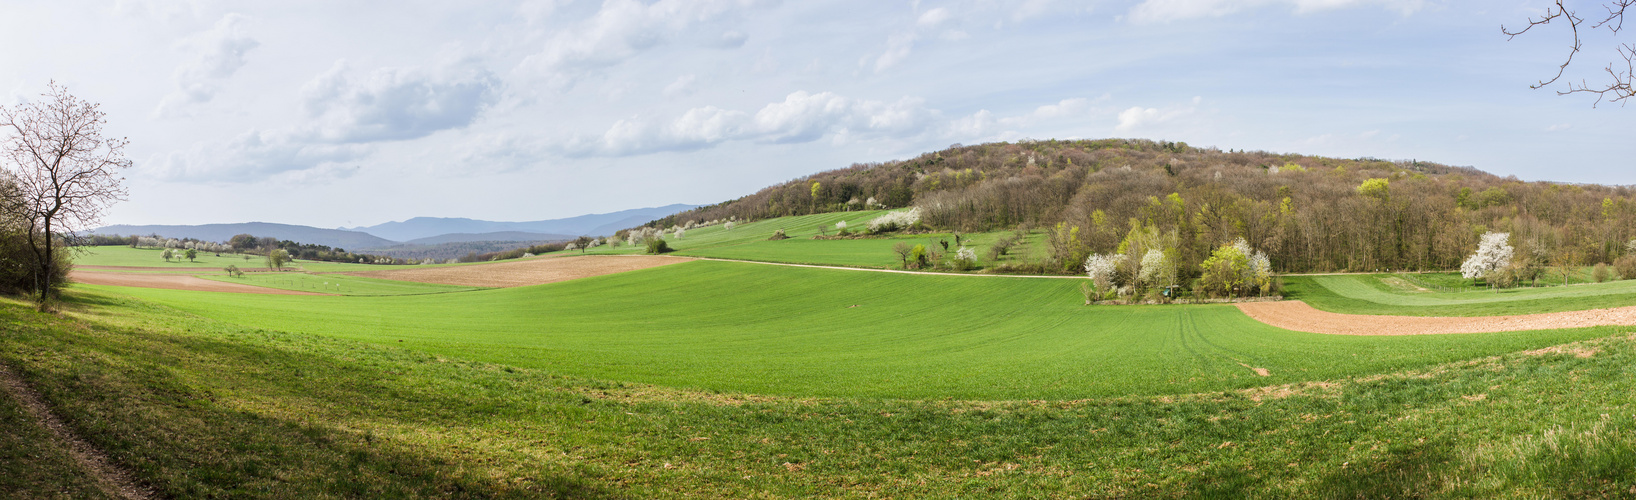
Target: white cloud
[
  {"x": 344, "y": 115},
  {"x": 801, "y": 117},
  {"x": 682, "y": 86},
  {"x": 621, "y": 30},
  {"x": 933, "y": 18},
  {"x": 394, "y": 103},
  {"x": 216, "y": 55},
  {"x": 1160, "y": 11},
  {"x": 1138, "y": 117}
]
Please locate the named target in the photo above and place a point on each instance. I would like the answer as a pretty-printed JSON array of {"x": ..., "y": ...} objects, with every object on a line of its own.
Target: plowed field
[{"x": 1298, "y": 316}]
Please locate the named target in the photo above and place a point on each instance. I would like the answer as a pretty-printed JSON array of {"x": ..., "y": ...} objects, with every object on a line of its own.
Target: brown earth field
[
  {"x": 173, "y": 282},
  {"x": 1298, "y": 316},
  {"x": 524, "y": 272}
]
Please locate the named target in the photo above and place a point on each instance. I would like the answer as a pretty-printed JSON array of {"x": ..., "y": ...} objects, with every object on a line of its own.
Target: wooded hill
[{"x": 1308, "y": 213}]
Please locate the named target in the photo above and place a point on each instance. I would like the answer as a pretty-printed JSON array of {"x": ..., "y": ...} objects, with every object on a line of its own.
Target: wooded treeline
[{"x": 1307, "y": 213}]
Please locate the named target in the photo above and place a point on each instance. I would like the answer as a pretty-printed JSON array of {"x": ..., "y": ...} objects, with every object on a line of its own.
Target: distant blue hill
[
  {"x": 416, "y": 231},
  {"x": 350, "y": 240},
  {"x": 584, "y": 225}
]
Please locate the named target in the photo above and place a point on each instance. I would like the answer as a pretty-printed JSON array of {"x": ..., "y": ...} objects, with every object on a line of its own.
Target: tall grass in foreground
[{"x": 202, "y": 408}]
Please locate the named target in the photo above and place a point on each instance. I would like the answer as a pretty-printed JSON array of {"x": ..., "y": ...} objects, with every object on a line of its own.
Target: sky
[{"x": 343, "y": 114}]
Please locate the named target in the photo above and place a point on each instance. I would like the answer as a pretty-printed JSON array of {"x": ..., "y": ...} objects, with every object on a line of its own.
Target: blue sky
[{"x": 356, "y": 113}]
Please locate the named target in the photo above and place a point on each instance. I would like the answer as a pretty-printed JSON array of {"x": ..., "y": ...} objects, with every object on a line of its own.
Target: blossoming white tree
[
  {"x": 728, "y": 225},
  {"x": 1103, "y": 269},
  {"x": 1156, "y": 269},
  {"x": 893, "y": 221},
  {"x": 1493, "y": 253}
]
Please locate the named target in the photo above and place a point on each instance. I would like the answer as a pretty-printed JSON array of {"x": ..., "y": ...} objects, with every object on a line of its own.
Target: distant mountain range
[
  {"x": 419, "y": 231},
  {"x": 350, "y": 240},
  {"x": 587, "y": 225}
]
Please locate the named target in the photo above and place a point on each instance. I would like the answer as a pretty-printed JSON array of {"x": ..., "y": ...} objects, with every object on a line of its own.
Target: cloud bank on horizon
[{"x": 356, "y": 113}]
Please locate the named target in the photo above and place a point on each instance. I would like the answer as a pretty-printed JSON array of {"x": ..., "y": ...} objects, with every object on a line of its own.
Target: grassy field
[
  {"x": 204, "y": 408},
  {"x": 752, "y": 328},
  {"x": 749, "y": 241},
  {"x": 338, "y": 284},
  {"x": 1396, "y": 295},
  {"x": 123, "y": 256}
]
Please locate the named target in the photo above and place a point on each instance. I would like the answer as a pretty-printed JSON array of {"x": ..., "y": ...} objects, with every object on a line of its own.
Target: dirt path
[
  {"x": 524, "y": 272},
  {"x": 1298, "y": 316},
  {"x": 111, "y": 478},
  {"x": 174, "y": 282}
]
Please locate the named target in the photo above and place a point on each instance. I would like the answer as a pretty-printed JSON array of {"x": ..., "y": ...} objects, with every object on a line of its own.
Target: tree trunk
[{"x": 47, "y": 261}]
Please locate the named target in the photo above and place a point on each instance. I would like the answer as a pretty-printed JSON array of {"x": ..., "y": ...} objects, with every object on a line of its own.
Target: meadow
[
  {"x": 801, "y": 332},
  {"x": 199, "y": 407},
  {"x": 749, "y": 241}
]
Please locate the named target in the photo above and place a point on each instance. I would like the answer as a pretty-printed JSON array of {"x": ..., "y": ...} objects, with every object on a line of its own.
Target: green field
[
  {"x": 762, "y": 329},
  {"x": 1395, "y": 295},
  {"x": 748, "y": 241},
  {"x": 204, "y": 408},
  {"x": 122, "y": 256},
  {"x": 338, "y": 284}
]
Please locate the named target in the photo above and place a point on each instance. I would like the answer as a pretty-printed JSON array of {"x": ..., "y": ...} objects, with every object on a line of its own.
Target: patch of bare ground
[
  {"x": 112, "y": 479},
  {"x": 524, "y": 272},
  {"x": 1298, "y": 316},
  {"x": 174, "y": 282}
]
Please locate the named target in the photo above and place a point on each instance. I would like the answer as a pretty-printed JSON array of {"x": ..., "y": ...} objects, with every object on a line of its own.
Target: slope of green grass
[
  {"x": 32, "y": 463},
  {"x": 151, "y": 257},
  {"x": 202, "y": 408},
  {"x": 748, "y": 241},
  {"x": 338, "y": 284},
  {"x": 815, "y": 332},
  {"x": 1374, "y": 294}
]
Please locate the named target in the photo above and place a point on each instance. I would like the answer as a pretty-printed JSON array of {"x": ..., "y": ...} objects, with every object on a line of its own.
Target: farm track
[
  {"x": 114, "y": 480},
  {"x": 1298, "y": 316}
]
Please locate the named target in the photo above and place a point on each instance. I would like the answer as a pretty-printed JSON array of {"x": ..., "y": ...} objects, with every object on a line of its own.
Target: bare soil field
[
  {"x": 174, "y": 282},
  {"x": 1298, "y": 316},
  {"x": 524, "y": 272}
]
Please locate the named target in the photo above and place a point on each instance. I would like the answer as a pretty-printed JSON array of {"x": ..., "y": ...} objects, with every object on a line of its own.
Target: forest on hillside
[{"x": 1308, "y": 213}]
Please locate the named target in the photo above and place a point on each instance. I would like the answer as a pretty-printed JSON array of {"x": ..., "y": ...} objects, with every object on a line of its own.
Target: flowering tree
[
  {"x": 1156, "y": 270},
  {"x": 840, "y": 226},
  {"x": 1493, "y": 253},
  {"x": 893, "y": 221},
  {"x": 1103, "y": 270},
  {"x": 728, "y": 225},
  {"x": 1224, "y": 271}
]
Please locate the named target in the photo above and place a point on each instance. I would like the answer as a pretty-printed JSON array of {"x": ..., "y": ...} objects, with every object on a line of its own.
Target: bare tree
[
  {"x": 65, "y": 170},
  {"x": 1622, "y": 74}
]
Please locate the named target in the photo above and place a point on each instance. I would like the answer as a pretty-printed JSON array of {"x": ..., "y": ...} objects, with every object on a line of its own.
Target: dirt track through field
[
  {"x": 113, "y": 480},
  {"x": 174, "y": 282},
  {"x": 1298, "y": 316},
  {"x": 524, "y": 272}
]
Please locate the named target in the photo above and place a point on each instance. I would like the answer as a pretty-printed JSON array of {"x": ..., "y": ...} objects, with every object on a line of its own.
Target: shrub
[
  {"x": 658, "y": 246},
  {"x": 894, "y": 221},
  {"x": 778, "y": 235},
  {"x": 918, "y": 257},
  {"x": 902, "y": 250},
  {"x": 965, "y": 259},
  {"x": 233, "y": 270},
  {"x": 1626, "y": 266},
  {"x": 1601, "y": 273}
]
